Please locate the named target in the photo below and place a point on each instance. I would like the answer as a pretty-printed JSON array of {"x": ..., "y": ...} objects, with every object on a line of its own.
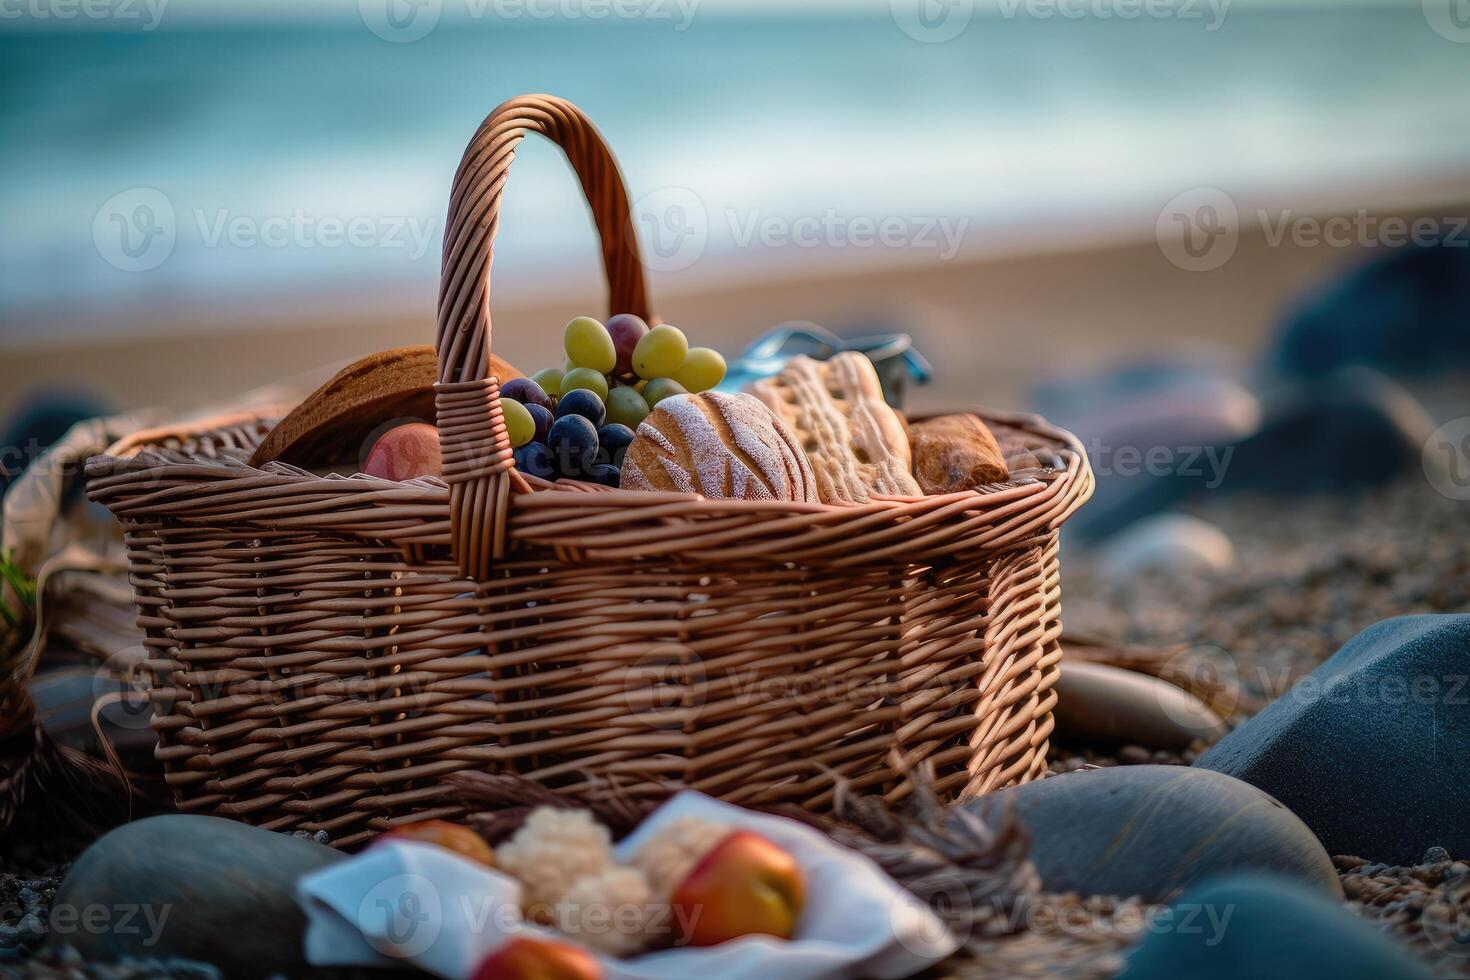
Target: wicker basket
[{"x": 324, "y": 650}]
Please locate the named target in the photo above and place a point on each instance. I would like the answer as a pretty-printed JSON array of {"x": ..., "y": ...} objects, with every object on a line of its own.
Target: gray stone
[
  {"x": 190, "y": 887},
  {"x": 1250, "y": 926},
  {"x": 1372, "y": 749},
  {"x": 1152, "y": 830}
]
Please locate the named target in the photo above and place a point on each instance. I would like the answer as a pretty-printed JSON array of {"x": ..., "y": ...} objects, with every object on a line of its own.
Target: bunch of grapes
[{"x": 577, "y": 421}]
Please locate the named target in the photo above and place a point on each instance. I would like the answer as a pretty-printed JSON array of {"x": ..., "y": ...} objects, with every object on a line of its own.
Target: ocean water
[{"x": 195, "y": 164}]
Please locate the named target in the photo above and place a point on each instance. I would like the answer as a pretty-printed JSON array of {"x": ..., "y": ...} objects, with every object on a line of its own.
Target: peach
[
  {"x": 745, "y": 884},
  {"x": 450, "y": 836},
  {"x": 534, "y": 958},
  {"x": 404, "y": 452}
]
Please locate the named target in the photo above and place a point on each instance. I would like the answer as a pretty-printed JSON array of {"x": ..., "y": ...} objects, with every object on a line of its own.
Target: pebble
[
  {"x": 1101, "y": 704},
  {"x": 1150, "y": 830},
  {"x": 1170, "y": 543}
]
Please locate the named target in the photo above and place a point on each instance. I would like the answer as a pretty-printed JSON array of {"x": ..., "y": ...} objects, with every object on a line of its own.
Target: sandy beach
[{"x": 999, "y": 321}]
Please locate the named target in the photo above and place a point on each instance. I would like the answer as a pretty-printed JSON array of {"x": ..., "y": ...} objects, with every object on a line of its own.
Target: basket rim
[{"x": 593, "y": 522}]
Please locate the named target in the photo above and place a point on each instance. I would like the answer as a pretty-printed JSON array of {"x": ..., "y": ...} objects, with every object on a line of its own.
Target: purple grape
[
  {"x": 572, "y": 442},
  {"x": 626, "y": 330},
  {"x": 543, "y": 418},
  {"x": 606, "y": 474},
  {"x": 614, "y": 439},
  {"x": 580, "y": 401},
  {"x": 525, "y": 391},
  {"x": 534, "y": 459}
]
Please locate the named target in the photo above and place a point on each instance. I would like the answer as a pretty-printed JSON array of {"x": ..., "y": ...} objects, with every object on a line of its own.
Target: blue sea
[{"x": 283, "y": 155}]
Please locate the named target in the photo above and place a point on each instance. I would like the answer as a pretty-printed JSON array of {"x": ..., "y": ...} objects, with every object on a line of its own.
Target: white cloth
[{"x": 444, "y": 914}]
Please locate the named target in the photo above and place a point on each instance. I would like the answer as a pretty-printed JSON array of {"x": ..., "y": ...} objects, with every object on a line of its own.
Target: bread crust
[
  {"x": 720, "y": 445},
  {"x": 955, "y": 452},
  {"x": 856, "y": 443}
]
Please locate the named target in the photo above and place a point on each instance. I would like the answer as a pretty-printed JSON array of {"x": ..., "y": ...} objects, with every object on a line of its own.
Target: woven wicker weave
[{"x": 324, "y": 650}]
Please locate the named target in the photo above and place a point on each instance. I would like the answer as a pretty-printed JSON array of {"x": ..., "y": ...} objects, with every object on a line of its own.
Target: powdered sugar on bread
[{"x": 720, "y": 445}]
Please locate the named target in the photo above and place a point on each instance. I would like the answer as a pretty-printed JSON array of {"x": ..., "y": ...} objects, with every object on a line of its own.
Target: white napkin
[{"x": 444, "y": 914}]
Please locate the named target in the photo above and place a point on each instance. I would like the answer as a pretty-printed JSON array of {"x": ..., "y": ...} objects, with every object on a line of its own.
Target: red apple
[
  {"x": 405, "y": 452},
  {"x": 534, "y": 958},
  {"x": 450, "y": 836},
  {"x": 744, "y": 885}
]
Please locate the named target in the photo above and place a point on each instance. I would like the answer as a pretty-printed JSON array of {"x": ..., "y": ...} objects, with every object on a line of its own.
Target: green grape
[
  {"x": 660, "y": 352},
  {"x": 549, "y": 379},
  {"x": 660, "y": 388},
  {"x": 518, "y": 422},
  {"x": 589, "y": 345},
  {"x": 582, "y": 377},
  {"x": 567, "y": 365},
  {"x": 626, "y": 406},
  {"x": 703, "y": 368}
]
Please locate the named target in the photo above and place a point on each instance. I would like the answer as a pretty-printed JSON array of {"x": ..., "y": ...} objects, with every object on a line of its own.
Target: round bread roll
[{"x": 720, "y": 445}]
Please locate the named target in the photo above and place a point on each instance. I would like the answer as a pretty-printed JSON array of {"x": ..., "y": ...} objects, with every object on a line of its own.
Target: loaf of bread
[
  {"x": 719, "y": 445},
  {"x": 856, "y": 443},
  {"x": 955, "y": 452}
]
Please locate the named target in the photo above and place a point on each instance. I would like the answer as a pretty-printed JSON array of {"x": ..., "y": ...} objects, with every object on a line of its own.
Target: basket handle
[{"x": 476, "y": 450}]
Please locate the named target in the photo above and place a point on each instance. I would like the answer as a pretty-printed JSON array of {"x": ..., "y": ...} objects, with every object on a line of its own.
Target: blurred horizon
[{"x": 269, "y": 143}]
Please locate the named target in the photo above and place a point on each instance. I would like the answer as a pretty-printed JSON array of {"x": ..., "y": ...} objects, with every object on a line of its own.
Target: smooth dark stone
[
  {"x": 1372, "y": 749},
  {"x": 1254, "y": 926},
  {"x": 1099, "y": 704},
  {"x": 1404, "y": 313},
  {"x": 1146, "y": 427},
  {"x": 1353, "y": 430},
  {"x": 1152, "y": 830},
  {"x": 199, "y": 888}
]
